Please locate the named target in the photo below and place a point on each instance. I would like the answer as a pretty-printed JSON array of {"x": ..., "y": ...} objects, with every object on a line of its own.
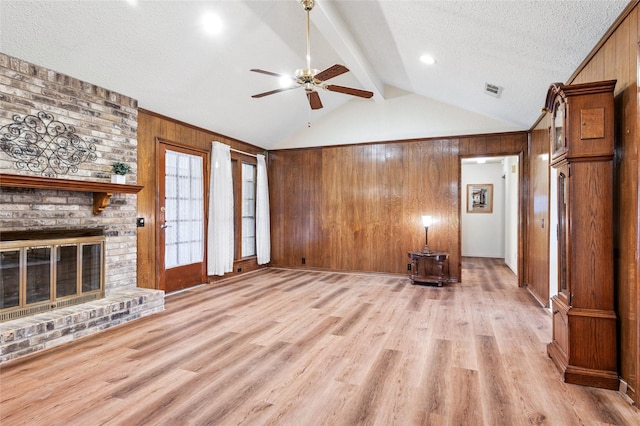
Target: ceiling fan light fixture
[
  {"x": 306, "y": 74},
  {"x": 307, "y": 4}
]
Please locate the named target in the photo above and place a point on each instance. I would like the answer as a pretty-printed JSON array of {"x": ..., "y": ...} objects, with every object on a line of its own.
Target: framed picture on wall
[{"x": 480, "y": 198}]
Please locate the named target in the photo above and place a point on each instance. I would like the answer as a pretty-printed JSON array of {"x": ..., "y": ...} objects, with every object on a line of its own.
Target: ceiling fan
[{"x": 310, "y": 78}]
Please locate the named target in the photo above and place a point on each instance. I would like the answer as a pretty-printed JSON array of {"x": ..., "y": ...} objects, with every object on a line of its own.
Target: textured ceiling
[{"x": 157, "y": 52}]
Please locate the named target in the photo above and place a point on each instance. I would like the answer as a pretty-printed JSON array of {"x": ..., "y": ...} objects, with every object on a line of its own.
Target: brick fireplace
[{"x": 67, "y": 201}]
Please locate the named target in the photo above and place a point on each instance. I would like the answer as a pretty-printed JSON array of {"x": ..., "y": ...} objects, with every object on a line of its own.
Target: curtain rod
[{"x": 242, "y": 152}]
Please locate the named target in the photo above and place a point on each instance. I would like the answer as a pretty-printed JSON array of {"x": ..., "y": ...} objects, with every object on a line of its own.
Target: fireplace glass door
[
  {"x": 36, "y": 276},
  {"x": 9, "y": 279},
  {"x": 91, "y": 267},
  {"x": 66, "y": 270}
]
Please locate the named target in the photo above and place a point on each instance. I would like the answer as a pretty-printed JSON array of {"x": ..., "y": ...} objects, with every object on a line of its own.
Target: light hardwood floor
[{"x": 296, "y": 347}]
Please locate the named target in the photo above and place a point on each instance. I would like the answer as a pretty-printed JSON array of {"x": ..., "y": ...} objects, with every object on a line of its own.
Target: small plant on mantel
[
  {"x": 120, "y": 168},
  {"x": 119, "y": 171}
]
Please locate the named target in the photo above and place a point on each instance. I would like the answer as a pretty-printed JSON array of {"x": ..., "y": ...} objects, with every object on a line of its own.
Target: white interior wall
[
  {"x": 483, "y": 233},
  {"x": 401, "y": 115}
]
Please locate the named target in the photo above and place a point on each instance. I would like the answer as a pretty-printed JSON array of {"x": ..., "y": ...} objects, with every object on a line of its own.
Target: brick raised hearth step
[{"x": 27, "y": 335}]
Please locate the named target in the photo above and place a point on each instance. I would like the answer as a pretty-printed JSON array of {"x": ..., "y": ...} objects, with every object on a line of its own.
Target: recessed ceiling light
[
  {"x": 481, "y": 160},
  {"x": 427, "y": 59},
  {"x": 212, "y": 23},
  {"x": 133, "y": 2}
]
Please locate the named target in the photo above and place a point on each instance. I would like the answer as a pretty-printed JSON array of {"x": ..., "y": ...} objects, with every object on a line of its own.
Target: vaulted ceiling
[{"x": 158, "y": 53}]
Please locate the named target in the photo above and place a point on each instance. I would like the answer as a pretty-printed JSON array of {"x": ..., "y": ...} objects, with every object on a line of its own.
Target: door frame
[
  {"x": 160, "y": 175},
  {"x": 523, "y": 193}
]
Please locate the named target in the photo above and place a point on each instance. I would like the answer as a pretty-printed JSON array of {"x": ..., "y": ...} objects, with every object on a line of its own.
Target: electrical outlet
[
  {"x": 239, "y": 269},
  {"x": 408, "y": 266},
  {"x": 140, "y": 222},
  {"x": 304, "y": 260}
]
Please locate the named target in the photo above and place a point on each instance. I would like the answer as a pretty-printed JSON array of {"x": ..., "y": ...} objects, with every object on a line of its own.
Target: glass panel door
[{"x": 181, "y": 216}]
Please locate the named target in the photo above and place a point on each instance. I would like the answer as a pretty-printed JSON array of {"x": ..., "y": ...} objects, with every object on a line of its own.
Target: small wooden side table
[{"x": 437, "y": 256}]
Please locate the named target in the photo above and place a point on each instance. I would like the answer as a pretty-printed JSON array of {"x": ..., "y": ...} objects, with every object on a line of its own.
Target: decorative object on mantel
[
  {"x": 119, "y": 171},
  {"x": 40, "y": 143}
]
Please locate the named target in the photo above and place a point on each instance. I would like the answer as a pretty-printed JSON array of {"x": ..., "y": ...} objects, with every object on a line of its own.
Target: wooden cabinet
[{"x": 584, "y": 344}]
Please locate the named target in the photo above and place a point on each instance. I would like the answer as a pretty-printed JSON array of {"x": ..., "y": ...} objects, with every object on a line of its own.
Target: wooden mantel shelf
[{"x": 102, "y": 191}]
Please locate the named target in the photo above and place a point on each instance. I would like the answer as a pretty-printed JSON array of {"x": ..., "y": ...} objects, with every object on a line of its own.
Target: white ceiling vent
[{"x": 492, "y": 90}]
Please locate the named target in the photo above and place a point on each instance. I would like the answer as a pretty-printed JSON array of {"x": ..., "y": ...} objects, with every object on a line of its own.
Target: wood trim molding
[
  {"x": 435, "y": 138},
  {"x": 183, "y": 146}
]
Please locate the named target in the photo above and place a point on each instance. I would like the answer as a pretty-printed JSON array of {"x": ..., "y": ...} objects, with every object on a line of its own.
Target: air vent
[{"x": 492, "y": 90}]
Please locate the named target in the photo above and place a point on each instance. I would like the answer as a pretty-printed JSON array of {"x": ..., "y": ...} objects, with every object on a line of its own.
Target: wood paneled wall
[
  {"x": 615, "y": 58},
  {"x": 359, "y": 207},
  {"x": 152, "y": 126}
]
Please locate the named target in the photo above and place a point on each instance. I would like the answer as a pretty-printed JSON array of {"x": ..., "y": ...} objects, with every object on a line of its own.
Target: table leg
[
  {"x": 440, "y": 272},
  {"x": 414, "y": 266}
]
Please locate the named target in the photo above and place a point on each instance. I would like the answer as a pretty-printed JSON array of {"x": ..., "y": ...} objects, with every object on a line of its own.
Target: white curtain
[
  {"x": 220, "y": 235},
  {"x": 263, "y": 230}
]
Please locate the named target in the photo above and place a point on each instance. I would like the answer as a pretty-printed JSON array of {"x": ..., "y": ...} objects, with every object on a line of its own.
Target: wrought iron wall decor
[{"x": 40, "y": 143}]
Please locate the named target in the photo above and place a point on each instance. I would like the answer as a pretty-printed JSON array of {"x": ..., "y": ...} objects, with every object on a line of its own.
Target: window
[
  {"x": 244, "y": 169},
  {"x": 248, "y": 210}
]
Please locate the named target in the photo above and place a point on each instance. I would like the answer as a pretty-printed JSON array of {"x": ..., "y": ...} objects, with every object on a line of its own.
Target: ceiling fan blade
[
  {"x": 275, "y": 74},
  {"x": 271, "y": 92},
  {"x": 314, "y": 100},
  {"x": 331, "y": 72},
  {"x": 349, "y": 91}
]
